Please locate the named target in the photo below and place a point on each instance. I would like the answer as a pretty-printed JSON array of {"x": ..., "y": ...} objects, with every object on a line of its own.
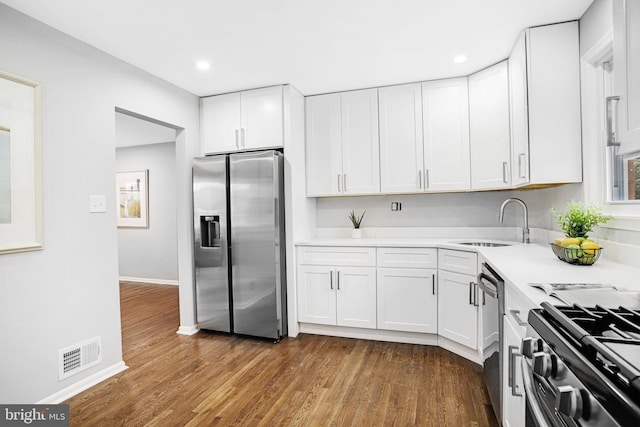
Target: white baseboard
[
  {"x": 393, "y": 336},
  {"x": 370, "y": 334},
  {"x": 187, "y": 330},
  {"x": 147, "y": 280},
  {"x": 82, "y": 385}
]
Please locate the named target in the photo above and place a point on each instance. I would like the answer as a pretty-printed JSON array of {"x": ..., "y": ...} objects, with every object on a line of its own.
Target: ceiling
[{"x": 318, "y": 46}]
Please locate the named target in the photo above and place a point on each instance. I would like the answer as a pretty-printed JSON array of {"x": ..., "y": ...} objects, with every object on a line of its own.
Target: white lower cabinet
[
  {"x": 407, "y": 300},
  {"x": 457, "y": 297},
  {"x": 515, "y": 329},
  {"x": 339, "y": 295},
  {"x": 407, "y": 290}
]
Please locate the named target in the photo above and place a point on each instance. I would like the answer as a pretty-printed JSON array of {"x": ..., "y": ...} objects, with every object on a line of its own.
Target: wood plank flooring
[{"x": 212, "y": 379}]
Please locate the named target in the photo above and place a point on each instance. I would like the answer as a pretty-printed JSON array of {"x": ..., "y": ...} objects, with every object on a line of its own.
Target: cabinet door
[
  {"x": 514, "y": 401},
  {"x": 553, "y": 73},
  {"x": 356, "y": 296},
  {"x": 360, "y": 142},
  {"x": 407, "y": 300},
  {"x": 261, "y": 117},
  {"x": 316, "y": 294},
  {"x": 445, "y": 120},
  {"x": 626, "y": 57},
  {"x": 401, "y": 150},
  {"x": 489, "y": 128},
  {"x": 519, "y": 113},
  {"x": 323, "y": 145},
  {"x": 457, "y": 316},
  {"x": 220, "y": 123}
]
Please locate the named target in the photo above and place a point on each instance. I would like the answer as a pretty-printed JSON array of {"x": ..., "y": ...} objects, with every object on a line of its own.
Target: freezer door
[
  {"x": 257, "y": 241},
  {"x": 211, "y": 243}
]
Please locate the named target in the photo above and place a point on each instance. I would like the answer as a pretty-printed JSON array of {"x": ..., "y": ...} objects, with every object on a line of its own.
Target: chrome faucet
[{"x": 525, "y": 229}]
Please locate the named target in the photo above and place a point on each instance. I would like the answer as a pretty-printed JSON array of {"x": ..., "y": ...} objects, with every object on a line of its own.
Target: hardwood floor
[{"x": 212, "y": 379}]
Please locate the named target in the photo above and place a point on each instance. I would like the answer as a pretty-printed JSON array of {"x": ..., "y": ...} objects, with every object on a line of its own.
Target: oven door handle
[
  {"x": 536, "y": 410},
  {"x": 486, "y": 289}
]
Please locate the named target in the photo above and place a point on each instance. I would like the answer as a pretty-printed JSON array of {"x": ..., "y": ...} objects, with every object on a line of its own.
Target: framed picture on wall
[
  {"x": 132, "y": 194},
  {"x": 20, "y": 164}
]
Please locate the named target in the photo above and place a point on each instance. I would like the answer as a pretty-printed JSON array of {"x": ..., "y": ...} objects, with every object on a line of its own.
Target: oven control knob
[
  {"x": 542, "y": 364},
  {"x": 531, "y": 345},
  {"x": 569, "y": 401}
]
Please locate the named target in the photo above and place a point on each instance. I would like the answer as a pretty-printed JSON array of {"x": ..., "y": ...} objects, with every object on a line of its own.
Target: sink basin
[{"x": 485, "y": 244}]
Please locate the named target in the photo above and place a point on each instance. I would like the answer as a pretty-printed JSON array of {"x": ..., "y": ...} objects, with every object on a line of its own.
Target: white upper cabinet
[
  {"x": 242, "y": 120},
  {"x": 401, "y": 148},
  {"x": 261, "y": 118},
  {"x": 549, "y": 106},
  {"x": 342, "y": 143},
  {"x": 324, "y": 145},
  {"x": 445, "y": 112},
  {"x": 489, "y": 128},
  {"x": 626, "y": 57},
  {"x": 220, "y": 123},
  {"x": 519, "y": 113},
  {"x": 360, "y": 142}
]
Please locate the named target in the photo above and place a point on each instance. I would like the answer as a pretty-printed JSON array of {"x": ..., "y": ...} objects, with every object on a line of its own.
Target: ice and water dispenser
[{"x": 210, "y": 231}]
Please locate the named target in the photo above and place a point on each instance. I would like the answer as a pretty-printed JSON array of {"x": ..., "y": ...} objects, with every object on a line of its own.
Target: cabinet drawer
[
  {"x": 517, "y": 308},
  {"x": 458, "y": 261},
  {"x": 407, "y": 257},
  {"x": 334, "y": 255}
]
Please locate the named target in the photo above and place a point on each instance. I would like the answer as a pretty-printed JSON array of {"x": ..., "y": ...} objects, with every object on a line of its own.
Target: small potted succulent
[
  {"x": 356, "y": 220},
  {"x": 577, "y": 221}
]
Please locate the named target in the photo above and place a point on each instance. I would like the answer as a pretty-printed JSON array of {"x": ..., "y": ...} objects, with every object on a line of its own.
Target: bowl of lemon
[{"x": 576, "y": 250}]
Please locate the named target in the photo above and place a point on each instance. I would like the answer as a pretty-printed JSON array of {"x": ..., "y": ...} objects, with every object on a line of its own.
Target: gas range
[{"x": 582, "y": 363}]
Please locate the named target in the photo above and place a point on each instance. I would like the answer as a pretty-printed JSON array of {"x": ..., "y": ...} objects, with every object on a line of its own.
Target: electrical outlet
[
  {"x": 97, "y": 203},
  {"x": 396, "y": 206}
]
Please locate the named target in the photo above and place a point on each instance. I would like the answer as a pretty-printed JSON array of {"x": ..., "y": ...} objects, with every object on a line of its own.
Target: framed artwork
[
  {"x": 133, "y": 198},
  {"x": 20, "y": 164}
]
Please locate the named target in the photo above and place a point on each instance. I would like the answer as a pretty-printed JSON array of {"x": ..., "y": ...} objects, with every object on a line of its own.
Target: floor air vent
[{"x": 79, "y": 357}]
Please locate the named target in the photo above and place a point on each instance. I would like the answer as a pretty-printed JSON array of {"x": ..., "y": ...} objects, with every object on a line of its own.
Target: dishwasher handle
[{"x": 492, "y": 292}]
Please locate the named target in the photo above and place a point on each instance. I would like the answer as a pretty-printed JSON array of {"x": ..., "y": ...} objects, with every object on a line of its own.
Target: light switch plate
[{"x": 97, "y": 203}]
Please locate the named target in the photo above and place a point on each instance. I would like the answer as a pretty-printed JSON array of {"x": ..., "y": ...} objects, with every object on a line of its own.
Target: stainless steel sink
[{"x": 485, "y": 244}]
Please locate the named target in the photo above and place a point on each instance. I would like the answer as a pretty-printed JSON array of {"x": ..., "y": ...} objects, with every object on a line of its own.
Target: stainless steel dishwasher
[{"x": 492, "y": 307}]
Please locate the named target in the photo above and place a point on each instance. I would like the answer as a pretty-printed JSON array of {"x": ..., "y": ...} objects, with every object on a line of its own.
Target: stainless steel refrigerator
[{"x": 239, "y": 245}]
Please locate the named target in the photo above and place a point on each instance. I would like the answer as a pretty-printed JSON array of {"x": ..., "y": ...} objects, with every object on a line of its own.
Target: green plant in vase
[
  {"x": 357, "y": 222},
  {"x": 577, "y": 222}
]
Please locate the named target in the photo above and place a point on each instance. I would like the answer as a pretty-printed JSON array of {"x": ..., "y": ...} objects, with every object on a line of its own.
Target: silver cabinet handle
[
  {"x": 471, "y": 293},
  {"x": 242, "y": 137},
  {"x": 331, "y": 279},
  {"x": 426, "y": 179},
  {"x": 338, "y": 280},
  {"x": 505, "y": 166},
  {"x": 238, "y": 139},
  {"x": 513, "y": 353},
  {"x": 339, "y": 188},
  {"x": 420, "y": 179},
  {"x": 516, "y": 316},
  {"x": 475, "y": 294},
  {"x": 433, "y": 284},
  {"x": 612, "y": 122},
  {"x": 344, "y": 182},
  {"x": 521, "y": 158}
]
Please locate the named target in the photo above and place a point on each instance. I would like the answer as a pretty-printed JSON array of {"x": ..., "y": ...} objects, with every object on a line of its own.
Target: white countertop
[{"x": 518, "y": 264}]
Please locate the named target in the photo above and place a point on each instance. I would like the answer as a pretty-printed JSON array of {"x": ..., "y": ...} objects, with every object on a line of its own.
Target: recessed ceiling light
[
  {"x": 459, "y": 59},
  {"x": 203, "y": 65}
]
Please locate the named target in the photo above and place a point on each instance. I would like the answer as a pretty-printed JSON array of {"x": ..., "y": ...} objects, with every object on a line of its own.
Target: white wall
[
  {"x": 150, "y": 254},
  {"x": 68, "y": 292}
]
